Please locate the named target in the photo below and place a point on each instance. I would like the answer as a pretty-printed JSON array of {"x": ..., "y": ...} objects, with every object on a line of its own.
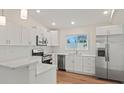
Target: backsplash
[{"x": 16, "y": 52}]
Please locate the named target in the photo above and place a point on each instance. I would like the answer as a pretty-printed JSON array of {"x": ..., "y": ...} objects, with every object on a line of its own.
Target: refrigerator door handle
[{"x": 106, "y": 54}]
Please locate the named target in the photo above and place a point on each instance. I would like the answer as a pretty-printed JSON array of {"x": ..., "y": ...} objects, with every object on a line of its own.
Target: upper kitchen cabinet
[
  {"x": 69, "y": 63},
  {"x": 46, "y": 36},
  {"x": 28, "y": 36},
  {"x": 52, "y": 38},
  {"x": 33, "y": 33},
  {"x": 25, "y": 36},
  {"x": 80, "y": 64},
  {"x": 10, "y": 34},
  {"x": 109, "y": 30},
  {"x": 3, "y": 36},
  {"x": 74, "y": 63}
]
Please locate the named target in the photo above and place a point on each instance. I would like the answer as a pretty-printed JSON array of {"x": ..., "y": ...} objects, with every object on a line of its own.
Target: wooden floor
[{"x": 72, "y": 78}]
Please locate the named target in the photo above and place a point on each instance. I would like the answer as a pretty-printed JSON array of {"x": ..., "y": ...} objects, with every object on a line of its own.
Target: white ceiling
[{"x": 63, "y": 17}]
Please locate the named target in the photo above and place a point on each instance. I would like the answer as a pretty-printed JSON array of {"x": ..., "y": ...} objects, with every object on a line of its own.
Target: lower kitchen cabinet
[
  {"x": 74, "y": 63},
  {"x": 54, "y": 59},
  {"x": 89, "y": 65},
  {"x": 69, "y": 63},
  {"x": 80, "y": 64}
]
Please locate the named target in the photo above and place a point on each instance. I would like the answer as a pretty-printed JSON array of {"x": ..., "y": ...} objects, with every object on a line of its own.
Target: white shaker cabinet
[
  {"x": 78, "y": 65},
  {"x": 54, "y": 38},
  {"x": 89, "y": 65},
  {"x": 33, "y": 37},
  {"x": 28, "y": 36},
  {"x": 110, "y": 30},
  {"x": 69, "y": 64},
  {"x": 19, "y": 34},
  {"x": 25, "y": 36},
  {"x": 47, "y": 35},
  {"x": 14, "y": 34},
  {"x": 3, "y": 36},
  {"x": 54, "y": 59},
  {"x": 10, "y": 34}
]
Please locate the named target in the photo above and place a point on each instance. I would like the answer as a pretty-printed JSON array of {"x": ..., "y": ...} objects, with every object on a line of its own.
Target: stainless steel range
[{"x": 45, "y": 58}]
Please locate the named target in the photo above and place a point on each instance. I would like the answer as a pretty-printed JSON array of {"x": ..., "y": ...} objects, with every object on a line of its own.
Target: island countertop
[{"x": 20, "y": 62}]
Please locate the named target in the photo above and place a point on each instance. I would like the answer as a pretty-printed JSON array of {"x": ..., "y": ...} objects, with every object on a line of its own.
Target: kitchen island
[{"x": 27, "y": 71}]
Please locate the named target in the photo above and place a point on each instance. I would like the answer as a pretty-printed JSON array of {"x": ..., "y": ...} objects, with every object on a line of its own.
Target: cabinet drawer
[
  {"x": 87, "y": 58},
  {"x": 90, "y": 70}
]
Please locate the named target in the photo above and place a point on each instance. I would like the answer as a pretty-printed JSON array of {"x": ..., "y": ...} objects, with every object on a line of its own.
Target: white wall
[
  {"x": 89, "y": 30},
  {"x": 15, "y": 52}
]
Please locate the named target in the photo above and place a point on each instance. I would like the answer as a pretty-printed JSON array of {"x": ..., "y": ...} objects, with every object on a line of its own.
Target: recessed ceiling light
[
  {"x": 38, "y": 11},
  {"x": 72, "y": 22},
  {"x": 105, "y": 12},
  {"x": 53, "y": 23}
]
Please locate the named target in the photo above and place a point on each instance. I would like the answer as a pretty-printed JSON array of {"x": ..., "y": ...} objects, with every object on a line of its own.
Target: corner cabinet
[{"x": 80, "y": 64}]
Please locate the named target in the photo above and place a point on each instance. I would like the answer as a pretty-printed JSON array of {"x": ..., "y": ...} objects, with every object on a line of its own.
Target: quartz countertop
[
  {"x": 80, "y": 54},
  {"x": 20, "y": 62}
]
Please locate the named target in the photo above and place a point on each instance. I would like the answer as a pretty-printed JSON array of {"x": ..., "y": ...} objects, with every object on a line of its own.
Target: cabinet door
[
  {"x": 54, "y": 38},
  {"x": 25, "y": 36},
  {"x": 54, "y": 59},
  {"x": 69, "y": 64},
  {"x": 78, "y": 64},
  {"x": 101, "y": 30},
  {"x": 115, "y": 29},
  {"x": 32, "y": 38},
  {"x": 3, "y": 36},
  {"x": 47, "y": 35},
  {"x": 110, "y": 30},
  {"x": 89, "y": 65},
  {"x": 13, "y": 33}
]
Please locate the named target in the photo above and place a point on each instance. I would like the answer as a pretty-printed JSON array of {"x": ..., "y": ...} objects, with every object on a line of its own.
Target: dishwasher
[{"x": 61, "y": 62}]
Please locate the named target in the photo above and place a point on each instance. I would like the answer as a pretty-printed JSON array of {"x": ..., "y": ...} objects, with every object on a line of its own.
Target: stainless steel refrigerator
[{"x": 110, "y": 57}]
